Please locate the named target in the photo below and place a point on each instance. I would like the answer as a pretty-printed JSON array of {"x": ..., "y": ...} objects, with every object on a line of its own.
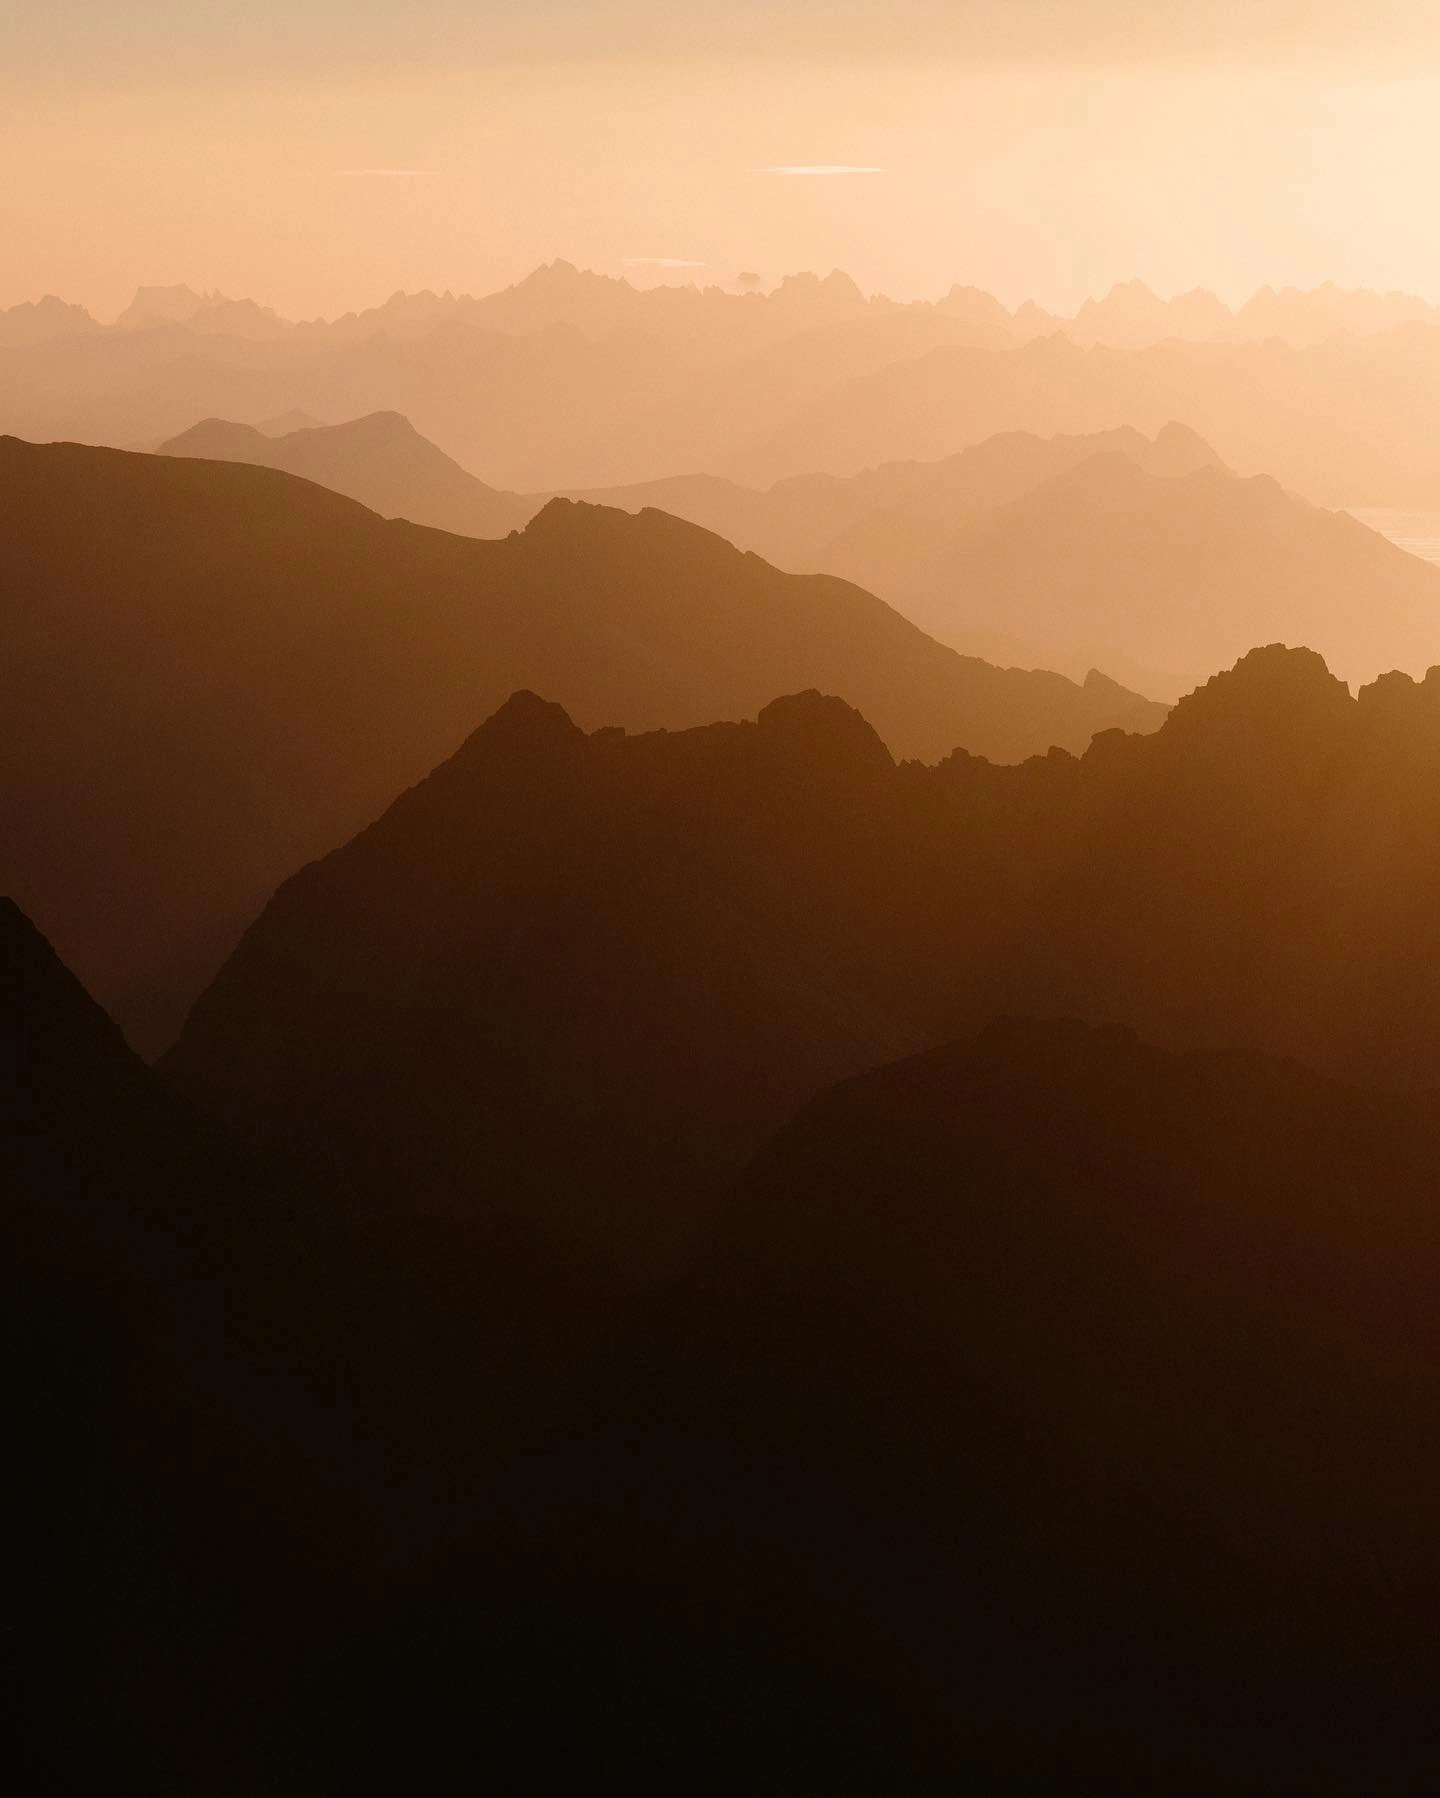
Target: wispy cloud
[
  {"x": 402, "y": 172},
  {"x": 660, "y": 262},
  {"x": 821, "y": 168}
]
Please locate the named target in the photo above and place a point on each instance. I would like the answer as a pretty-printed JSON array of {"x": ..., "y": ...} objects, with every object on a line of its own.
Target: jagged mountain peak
[
  {"x": 1285, "y": 693},
  {"x": 824, "y": 735}
]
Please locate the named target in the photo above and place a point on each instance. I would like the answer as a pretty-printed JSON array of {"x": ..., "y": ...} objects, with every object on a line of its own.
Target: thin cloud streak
[
  {"x": 821, "y": 168},
  {"x": 660, "y": 262},
  {"x": 405, "y": 172}
]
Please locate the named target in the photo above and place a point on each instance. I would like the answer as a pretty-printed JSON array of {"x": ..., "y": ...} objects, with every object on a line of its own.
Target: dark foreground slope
[
  {"x": 241, "y": 1412},
  {"x": 121, "y": 1205},
  {"x": 212, "y": 673},
  {"x": 1049, "y": 1414},
  {"x": 1044, "y": 1412}
]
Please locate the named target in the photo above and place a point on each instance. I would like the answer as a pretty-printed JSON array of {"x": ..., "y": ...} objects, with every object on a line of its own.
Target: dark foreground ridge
[{"x": 1042, "y": 1409}]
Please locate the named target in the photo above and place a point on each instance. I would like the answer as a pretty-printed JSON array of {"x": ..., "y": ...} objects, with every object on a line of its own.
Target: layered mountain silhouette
[
  {"x": 1023, "y": 1405},
  {"x": 1332, "y": 420},
  {"x": 884, "y": 1243},
  {"x": 892, "y": 519},
  {"x": 579, "y": 976},
  {"x": 1130, "y": 315},
  {"x": 382, "y": 461},
  {"x": 1163, "y": 579},
  {"x": 214, "y": 673},
  {"x": 1144, "y": 557},
  {"x": 1325, "y": 390},
  {"x": 810, "y": 523},
  {"x": 633, "y": 953}
]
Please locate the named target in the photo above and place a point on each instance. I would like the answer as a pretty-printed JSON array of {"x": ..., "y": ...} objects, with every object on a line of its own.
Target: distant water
[{"x": 1419, "y": 532}]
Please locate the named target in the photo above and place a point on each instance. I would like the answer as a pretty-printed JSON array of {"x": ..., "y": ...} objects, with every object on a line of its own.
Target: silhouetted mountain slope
[
  {"x": 1071, "y": 1401},
  {"x": 204, "y": 1517},
  {"x": 122, "y": 1209},
  {"x": 382, "y": 461},
  {"x": 571, "y": 976},
  {"x": 629, "y": 954},
  {"x": 1049, "y": 1413},
  {"x": 213, "y": 673},
  {"x": 1163, "y": 580},
  {"x": 100, "y": 1157}
]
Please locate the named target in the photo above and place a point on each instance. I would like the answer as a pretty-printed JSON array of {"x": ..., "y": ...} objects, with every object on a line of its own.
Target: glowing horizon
[{"x": 1034, "y": 151}]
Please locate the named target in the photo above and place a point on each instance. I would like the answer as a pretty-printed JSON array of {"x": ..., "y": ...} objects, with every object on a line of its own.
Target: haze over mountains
[
  {"x": 1160, "y": 579},
  {"x": 662, "y": 1222},
  {"x": 1129, "y": 316},
  {"x": 641, "y": 384},
  {"x": 720, "y": 996},
  {"x": 214, "y": 673},
  {"x": 1148, "y": 559},
  {"x": 382, "y": 461}
]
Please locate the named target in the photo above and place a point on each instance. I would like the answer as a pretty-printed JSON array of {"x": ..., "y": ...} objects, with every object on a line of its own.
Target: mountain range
[
  {"x": 1130, "y": 315},
  {"x": 1326, "y": 391},
  {"x": 501, "y": 983},
  {"x": 213, "y": 673},
  {"x": 1335, "y": 421},
  {"x": 622, "y": 1168},
  {"x": 381, "y": 461},
  {"x": 1147, "y": 558}
]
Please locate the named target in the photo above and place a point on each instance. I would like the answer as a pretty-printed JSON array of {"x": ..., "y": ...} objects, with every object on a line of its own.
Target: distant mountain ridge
[
  {"x": 646, "y": 383},
  {"x": 1145, "y": 557},
  {"x": 1335, "y": 421},
  {"x": 381, "y": 461},
  {"x": 1130, "y": 315},
  {"x": 1162, "y": 578}
]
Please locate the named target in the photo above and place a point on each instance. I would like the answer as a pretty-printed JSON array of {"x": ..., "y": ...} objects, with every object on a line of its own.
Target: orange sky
[{"x": 1035, "y": 149}]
